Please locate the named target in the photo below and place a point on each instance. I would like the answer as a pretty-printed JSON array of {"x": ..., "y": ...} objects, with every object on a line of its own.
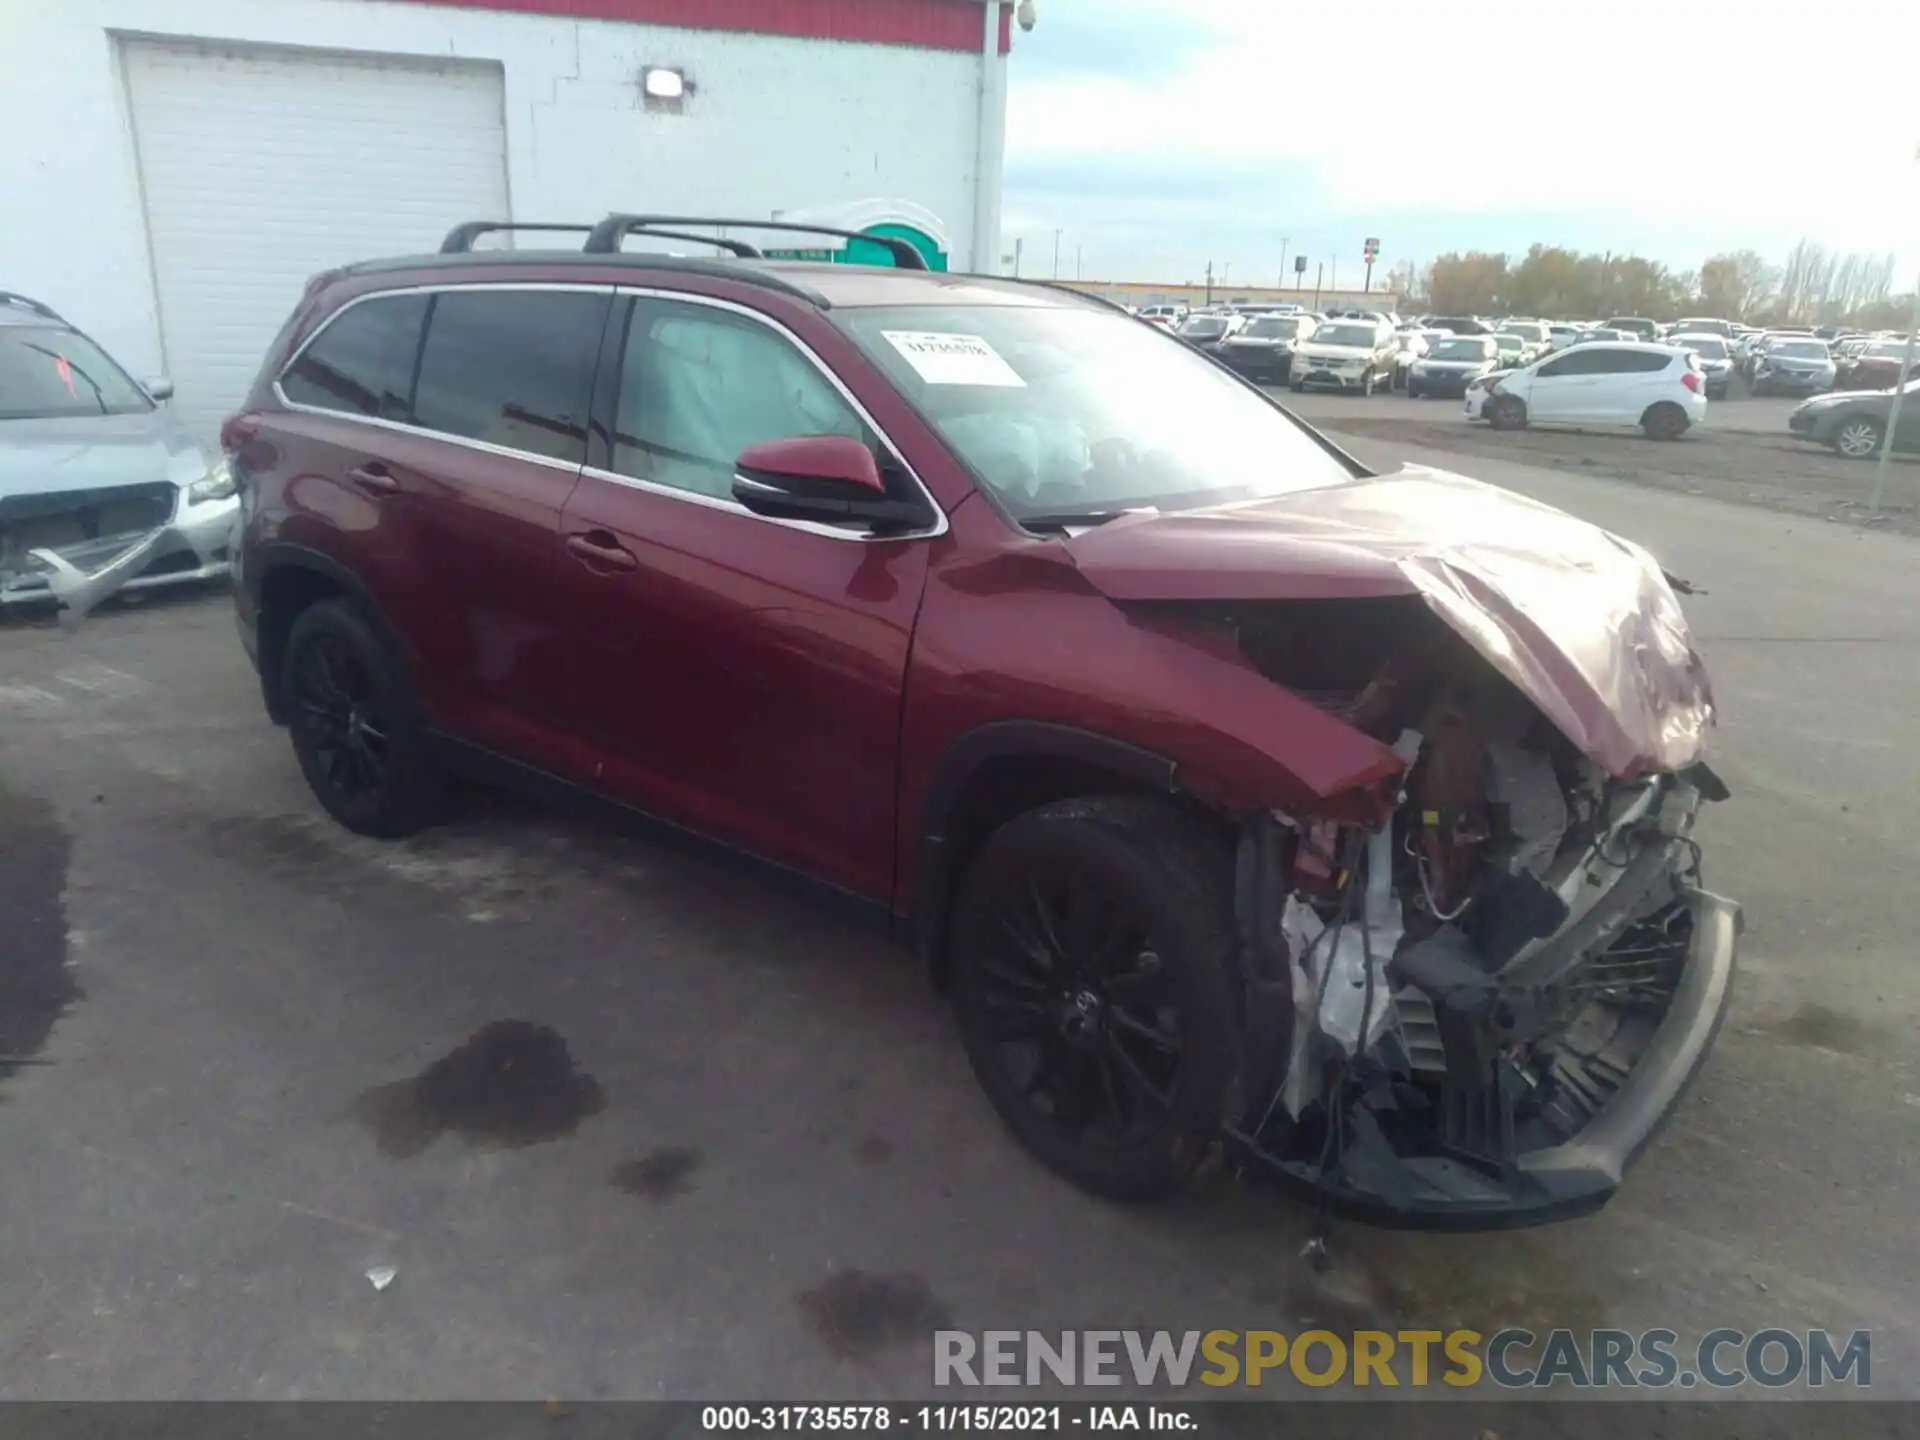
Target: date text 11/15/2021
[{"x": 946, "y": 1419}]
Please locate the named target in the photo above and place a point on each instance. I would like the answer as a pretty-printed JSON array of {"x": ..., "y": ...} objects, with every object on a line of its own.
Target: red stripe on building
[{"x": 926, "y": 24}]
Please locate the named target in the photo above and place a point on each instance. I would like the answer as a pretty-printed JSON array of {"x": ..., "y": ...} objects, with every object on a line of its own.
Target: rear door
[
  {"x": 739, "y": 674},
  {"x": 433, "y": 440}
]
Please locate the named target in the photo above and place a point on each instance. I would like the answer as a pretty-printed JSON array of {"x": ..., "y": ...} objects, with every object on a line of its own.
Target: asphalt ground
[
  {"x": 753, "y": 1160},
  {"x": 1742, "y": 453}
]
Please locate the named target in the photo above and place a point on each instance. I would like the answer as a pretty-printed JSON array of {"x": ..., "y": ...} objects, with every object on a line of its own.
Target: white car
[
  {"x": 1345, "y": 355},
  {"x": 1656, "y": 388},
  {"x": 1561, "y": 336}
]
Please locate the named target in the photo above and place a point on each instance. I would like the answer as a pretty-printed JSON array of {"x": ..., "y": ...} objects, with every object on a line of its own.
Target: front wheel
[
  {"x": 1505, "y": 412},
  {"x": 1858, "y": 439},
  {"x": 1093, "y": 958}
]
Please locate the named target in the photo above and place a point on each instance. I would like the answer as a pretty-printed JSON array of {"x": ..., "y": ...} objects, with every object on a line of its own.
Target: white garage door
[{"x": 260, "y": 167}]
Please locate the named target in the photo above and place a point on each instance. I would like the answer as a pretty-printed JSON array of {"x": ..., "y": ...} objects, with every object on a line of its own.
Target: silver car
[{"x": 100, "y": 488}]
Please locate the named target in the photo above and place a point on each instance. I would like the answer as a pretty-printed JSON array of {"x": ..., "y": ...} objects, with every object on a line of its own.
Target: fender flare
[
  {"x": 996, "y": 740},
  {"x": 284, "y": 555}
]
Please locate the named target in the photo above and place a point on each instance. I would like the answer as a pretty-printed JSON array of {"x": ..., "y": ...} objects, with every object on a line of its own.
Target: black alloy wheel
[
  {"x": 1091, "y": 954},
  {"x": 352, "y": 730}
]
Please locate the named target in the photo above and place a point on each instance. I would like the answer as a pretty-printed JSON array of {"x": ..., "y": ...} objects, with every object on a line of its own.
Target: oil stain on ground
[
  {"x": 660, "y": 1175},
  {"x": 855, "y": 1313},
  {"x": 1821, "y": 1028},
  {"x": 512, "y": 1084},
  {"x": 35, "y": 985}
]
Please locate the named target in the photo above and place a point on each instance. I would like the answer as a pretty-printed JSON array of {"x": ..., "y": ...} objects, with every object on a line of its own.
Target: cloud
[{"x": 1236, "y": 117}]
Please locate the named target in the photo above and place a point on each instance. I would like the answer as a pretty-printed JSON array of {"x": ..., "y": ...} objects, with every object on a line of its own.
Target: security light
[{"x": 663, "y": 84}]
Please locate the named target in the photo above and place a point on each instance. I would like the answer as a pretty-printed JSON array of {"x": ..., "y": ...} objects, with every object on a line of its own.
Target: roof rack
[
  {"x": 460, "y": 239},
  {"x": 607, "y": 235},
  {"x": 9, "y": 297}
]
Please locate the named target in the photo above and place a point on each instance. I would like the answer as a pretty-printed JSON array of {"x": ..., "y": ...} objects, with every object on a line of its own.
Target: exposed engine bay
[{"x": 1442, "y": 1007}]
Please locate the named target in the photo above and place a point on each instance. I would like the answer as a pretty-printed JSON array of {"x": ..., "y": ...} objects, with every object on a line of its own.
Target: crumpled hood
[
  {"x": 95, "y": 452},
  {"x": 1582, "y": 621}
]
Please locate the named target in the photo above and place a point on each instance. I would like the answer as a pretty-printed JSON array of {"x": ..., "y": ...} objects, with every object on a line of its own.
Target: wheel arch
[
  {"x": 993, "y": 773},
  {"x": 293, "y": 578}
]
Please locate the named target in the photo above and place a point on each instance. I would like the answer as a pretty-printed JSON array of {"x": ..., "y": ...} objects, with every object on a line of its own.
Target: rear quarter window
[{"x": 361, "y": 361}]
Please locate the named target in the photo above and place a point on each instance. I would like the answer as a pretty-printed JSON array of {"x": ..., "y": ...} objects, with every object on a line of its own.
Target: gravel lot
[
  {"x": 755, "y": 1161},
  {"x": 1742, "y": 454}
]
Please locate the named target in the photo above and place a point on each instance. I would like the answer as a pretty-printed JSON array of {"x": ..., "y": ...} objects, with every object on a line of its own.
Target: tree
[
  {"x": 1404, "y": 280},
  {"x": 1467, "y": 284},
  {"x": 1734, "y": 283}
]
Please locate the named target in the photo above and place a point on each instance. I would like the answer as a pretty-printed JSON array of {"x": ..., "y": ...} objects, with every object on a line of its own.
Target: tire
[
  {"x": 1757, "y": 386},
  {"x": 1413, "y": 392},
  {"x": 1295, "y": 386},
  {"x": 353, "y": 729},
  {"x": 1145, "y": 1039},
  {"x": 1369, "y": 383},
  {"x": 1719, "y": 394},
  {"x": 1858, "y": 438},
  {"x": 1505, "y": 412},
  {"x": 1664, "y": 421}
]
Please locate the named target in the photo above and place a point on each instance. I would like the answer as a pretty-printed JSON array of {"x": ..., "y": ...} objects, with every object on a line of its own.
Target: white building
[{"x": 174, "y": 170}]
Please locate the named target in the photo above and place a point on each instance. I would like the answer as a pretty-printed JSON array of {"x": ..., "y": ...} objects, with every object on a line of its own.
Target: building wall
[{"x": 774, "y": 122}]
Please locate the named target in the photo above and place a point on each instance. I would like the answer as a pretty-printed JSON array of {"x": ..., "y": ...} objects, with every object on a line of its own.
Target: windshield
[
  {"x": 1273, "y": 329},
  {"x": 1886, "y": 350},
  {"x": 1462, "y": 350},
  {"x": 1066, "y": 410},
  {"x": 1360, "y": 335},
  {"x": 1204, "y": 327},
  {"x": 1530, "y": 332},
  {"x": 1507, "y": 340},
  {"x": 1804, "y": 349},
  {"x": 1707, "y": 346},
  {"x": 46, "y": 373}
]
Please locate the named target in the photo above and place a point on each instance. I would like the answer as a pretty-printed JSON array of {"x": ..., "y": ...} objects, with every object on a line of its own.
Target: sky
[{"x": 1158, "y": 135}]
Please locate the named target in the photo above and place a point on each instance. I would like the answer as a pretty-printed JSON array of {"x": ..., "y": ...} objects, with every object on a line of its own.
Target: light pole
[
  {"x": 1283, "y": 261},
  {"x": 1078, "y": 272},
  {"x": 1893, "y": 410},
  {"x": 1056, "y": 254}
]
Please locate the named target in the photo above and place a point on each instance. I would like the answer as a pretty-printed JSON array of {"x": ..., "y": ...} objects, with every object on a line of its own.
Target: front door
[{"x": 738, "y": 674}]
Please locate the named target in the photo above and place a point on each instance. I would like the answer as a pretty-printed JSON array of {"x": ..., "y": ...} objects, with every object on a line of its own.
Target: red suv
[{"x": 1247, "y": 802}]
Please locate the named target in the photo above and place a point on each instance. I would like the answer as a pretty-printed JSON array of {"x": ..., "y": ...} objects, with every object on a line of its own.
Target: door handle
[
  {"x": 373, "y": 478},
  {"x": 597, "y": 547}
]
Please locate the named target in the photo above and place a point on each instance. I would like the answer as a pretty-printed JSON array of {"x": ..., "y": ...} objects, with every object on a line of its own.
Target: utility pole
[
  {"x": 1893, "y": 411},
  {"x": 1056, "y": 254},
  {"x": 1078, "y": 272},
  {"x": 1209, "y": 282},
  {"x": 1318, "y": 271},
  {"x": 1018, "y": 246},
  {"x": 1226, "y": 276},
  {"x": 1283, "y": 261},
  {"x": 1333, "y": 275}
]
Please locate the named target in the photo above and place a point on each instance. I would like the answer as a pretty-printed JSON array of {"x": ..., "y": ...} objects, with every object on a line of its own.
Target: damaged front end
[
  {"x": 75, "y": 549},
  {"x": 1474, "y": 1013}
]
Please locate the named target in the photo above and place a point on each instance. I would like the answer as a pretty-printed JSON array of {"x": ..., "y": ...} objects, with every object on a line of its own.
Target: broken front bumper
[
  {"x": 196, "y": 545},
  {"x": 1485, "y": 1169}
]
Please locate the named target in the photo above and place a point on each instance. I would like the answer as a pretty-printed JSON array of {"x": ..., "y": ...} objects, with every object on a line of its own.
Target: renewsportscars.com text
[{"x": 1513, "y": 1359}]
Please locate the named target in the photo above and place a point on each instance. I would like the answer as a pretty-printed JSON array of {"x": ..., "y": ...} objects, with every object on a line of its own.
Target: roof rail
[
  {"x": 608, "y": 234},
  {"x": 9, "y": 297},
  {"x": 460, "y": 239}
]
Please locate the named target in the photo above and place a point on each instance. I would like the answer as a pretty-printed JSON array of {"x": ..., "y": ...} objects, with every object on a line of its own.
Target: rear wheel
[
  {"x": 353, "y": 731},
  {"x": 1505, "y": 412},
  {"x": 1093, "y": 958},
  {"x": 1858, "y": 438},
  {"x": 1665, "y": 421}
]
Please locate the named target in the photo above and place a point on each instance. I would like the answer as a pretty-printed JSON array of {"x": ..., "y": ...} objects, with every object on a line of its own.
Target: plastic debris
[{"x": 382, "y": 1276}]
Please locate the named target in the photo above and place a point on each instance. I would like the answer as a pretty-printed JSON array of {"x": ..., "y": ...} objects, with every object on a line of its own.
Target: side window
[
  {"x": 699, "y": 385},
  {"x": 1571, "y": 363},
  {"x": 511, "y": 368},
  {"x": 362, "y": 362},
  {"x": 1615, "y": 362},
  {"x": 1641, "y": 361}
]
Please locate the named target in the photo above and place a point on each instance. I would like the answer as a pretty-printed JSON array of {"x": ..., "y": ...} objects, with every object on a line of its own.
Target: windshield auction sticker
[{"x": 942, "y": 359}]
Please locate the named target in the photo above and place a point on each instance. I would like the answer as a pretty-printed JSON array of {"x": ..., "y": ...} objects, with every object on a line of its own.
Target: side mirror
[
  {"x": 159, "y": 389},
  {"x": 831, "y": 479}
]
